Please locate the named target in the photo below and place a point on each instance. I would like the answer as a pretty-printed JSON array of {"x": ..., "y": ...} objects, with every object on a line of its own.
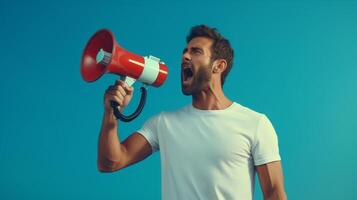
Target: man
[{"x": 209, "y": 149}]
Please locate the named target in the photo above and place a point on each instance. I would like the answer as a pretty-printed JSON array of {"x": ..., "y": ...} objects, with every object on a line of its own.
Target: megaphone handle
[{"x": 138, "y": 110}]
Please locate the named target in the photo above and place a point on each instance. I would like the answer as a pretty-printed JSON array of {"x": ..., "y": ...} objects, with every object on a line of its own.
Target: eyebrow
[{"x": 192, "y": 49}]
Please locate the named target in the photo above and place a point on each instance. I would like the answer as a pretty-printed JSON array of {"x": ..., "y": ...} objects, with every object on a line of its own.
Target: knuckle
[
  {"x": 123, "y": 91},
  {"x": 119, "y": 82},
  {"x": 118, "y": 93}
]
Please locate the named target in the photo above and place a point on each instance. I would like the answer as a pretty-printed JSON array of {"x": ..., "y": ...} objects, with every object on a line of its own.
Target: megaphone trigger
[{"x": 128, "y": 80}]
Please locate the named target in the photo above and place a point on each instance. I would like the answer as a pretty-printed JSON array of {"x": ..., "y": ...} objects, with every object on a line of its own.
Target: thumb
[{"x": 129, "y": 89}]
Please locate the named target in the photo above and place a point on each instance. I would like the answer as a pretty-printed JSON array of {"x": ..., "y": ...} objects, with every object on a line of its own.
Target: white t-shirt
[{"x": 211, "y": 154}]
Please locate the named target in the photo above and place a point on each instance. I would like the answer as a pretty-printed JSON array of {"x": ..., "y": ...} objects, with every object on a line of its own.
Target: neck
[{"x": 212, "y": 98}]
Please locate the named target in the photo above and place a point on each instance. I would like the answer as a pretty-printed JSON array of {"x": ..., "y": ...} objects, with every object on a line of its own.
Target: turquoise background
[{"x": 295, "y": 61}]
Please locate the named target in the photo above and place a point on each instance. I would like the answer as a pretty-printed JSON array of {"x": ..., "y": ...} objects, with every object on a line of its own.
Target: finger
[
  {"x": 116, "y": 99},
  {"x": 121, "y": 98},
  {"x": 120, "y": 89},
  {"x": 112, "y": 87},
  {"x": 115, "y": 93},
  {"x": 129, "y": 90}
]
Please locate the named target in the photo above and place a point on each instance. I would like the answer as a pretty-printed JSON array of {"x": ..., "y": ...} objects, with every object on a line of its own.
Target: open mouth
[
  {"x": 187, "y": 75},
  {"x": 187, "y": 72}
]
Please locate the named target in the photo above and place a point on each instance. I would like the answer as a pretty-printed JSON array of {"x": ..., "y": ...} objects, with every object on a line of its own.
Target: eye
[{"x": 196, "y": 51}]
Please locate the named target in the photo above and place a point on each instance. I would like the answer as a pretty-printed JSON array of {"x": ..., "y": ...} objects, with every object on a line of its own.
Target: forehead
[{"x": 201, "y": 42}]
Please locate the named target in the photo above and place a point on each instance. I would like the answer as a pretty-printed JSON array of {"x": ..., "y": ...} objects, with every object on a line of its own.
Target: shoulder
[
  {"x": 166, "y": 115},
  {"x": 248, "y": 114},
  {"x": 175, "y": 113}
]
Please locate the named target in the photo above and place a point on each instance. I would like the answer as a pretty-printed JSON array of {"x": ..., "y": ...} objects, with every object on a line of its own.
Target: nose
[{"x": 186, "y": 57}]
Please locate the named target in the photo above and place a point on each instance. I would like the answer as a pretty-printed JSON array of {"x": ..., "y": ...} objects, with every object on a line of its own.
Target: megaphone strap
[{"x": 151, "y": 70}]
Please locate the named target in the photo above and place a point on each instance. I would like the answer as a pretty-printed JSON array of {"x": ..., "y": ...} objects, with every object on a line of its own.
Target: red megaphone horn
[{"x": 103, "y": 54}]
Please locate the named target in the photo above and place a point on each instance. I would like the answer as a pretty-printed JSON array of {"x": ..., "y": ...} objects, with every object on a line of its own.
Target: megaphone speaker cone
[{"x": 91, "y": 70}]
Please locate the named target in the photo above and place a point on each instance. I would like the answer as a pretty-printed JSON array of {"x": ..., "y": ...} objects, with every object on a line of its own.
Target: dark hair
[{"x": 221, "y": 48}]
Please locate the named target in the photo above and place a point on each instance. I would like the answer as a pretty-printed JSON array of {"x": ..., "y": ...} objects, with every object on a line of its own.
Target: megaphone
[{"x": 103, "y": 54}]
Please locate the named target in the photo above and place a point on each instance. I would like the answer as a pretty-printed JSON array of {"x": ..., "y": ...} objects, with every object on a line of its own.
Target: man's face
[{"x": 196, "y": 67}]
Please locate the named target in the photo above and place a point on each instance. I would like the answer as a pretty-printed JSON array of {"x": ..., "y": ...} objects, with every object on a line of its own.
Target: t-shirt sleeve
[
  {"x": 265, "y": 146},
  {"x": 150, "y": 131}
]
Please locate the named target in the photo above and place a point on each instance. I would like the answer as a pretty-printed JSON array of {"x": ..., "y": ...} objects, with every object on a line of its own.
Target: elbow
[
  {"x": 104, "y": 169},
  {"x": 108, "y": 166},
  {"x": 275, "y": 195}
]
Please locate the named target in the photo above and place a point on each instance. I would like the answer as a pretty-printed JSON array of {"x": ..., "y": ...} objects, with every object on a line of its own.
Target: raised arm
[{"x": 113, "y": 154}]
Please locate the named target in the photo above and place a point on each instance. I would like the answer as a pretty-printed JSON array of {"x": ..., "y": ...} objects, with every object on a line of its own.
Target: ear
[{"x": 219, "y": 66}]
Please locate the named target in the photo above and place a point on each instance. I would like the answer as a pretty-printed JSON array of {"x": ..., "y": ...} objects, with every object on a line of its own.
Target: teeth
[{"x": 186, "y": 64}]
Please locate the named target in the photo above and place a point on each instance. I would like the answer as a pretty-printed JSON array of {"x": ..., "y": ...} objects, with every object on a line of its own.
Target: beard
[{"x": 200, "y": 80}]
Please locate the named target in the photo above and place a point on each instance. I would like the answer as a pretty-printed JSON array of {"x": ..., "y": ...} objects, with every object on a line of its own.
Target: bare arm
[
  {"x": 272, "y": 181},
  {"x": 112, "y": 154}
]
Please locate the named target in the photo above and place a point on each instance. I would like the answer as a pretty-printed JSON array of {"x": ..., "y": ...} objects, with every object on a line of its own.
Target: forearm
[{"x": 109, "y": 147}]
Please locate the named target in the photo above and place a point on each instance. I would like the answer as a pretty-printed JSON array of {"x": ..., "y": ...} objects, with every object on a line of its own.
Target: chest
[{"x": 205, "y": 141}]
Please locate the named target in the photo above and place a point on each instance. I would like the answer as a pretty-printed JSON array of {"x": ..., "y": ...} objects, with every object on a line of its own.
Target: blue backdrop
[{"x": 294, "y": 61}]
